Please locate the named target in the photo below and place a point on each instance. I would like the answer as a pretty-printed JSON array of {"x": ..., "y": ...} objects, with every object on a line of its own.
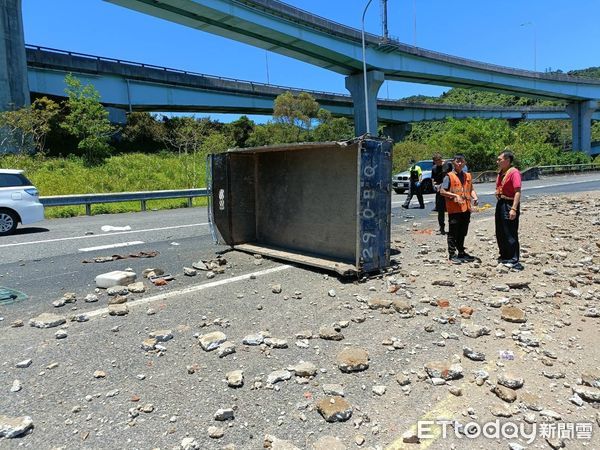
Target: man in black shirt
[{"x": 438, "y": 172}]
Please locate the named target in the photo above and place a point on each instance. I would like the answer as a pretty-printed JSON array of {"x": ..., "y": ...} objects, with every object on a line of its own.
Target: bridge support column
[
  {"x": 117, "y": 116},
  {"x": 355, "y": 84},
  {"x": 14, "y": 88},
  {"x": 581, "y": 120},
  {"x": 397, "y": 131}
]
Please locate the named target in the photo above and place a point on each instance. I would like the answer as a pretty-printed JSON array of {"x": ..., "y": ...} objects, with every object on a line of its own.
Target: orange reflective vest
[{"x": 463, "y": 190}]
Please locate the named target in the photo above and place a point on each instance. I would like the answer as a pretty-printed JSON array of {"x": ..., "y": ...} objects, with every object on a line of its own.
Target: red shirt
[{"x": 511, "y": 184}]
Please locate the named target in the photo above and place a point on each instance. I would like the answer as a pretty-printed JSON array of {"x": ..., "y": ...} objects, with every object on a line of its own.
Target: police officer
[{"x": 415, "y": 177}]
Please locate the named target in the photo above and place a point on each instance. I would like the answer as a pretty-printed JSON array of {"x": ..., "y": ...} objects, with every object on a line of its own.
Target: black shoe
[
  {"x": 405, "y": 206},
  {"x": 441, "y": 231},
  {"x": 518, "y": 266},
  {"x": 466, "y": 257},
  {"x": 455, "y": 260},
  {"x": 422, "y": 207}
]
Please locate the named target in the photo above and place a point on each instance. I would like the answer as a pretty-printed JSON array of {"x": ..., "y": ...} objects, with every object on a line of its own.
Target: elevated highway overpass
[
  {"x": 287, "y": 30},
  {"x": 130, "y": 86}
]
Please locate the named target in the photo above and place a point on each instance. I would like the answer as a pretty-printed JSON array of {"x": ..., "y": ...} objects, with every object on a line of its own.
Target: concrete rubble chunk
[
  {"x": 47, "y": 320},
  {"x": 353, "y": 359},
  {"x": 504, "y": 393},
  {"x": 115, "y": 278},
  {"x": 118, "y": 310},
  {"x": 304, "y": 369},
  {"x": 136, "y": 288},
  {"x": 211, "y": 341},
  {"x": 225, "y": 349},
  {"x": 117, "y": 290},
  {"x": 12, "y": 427},
  {"x": 278, "y": 375},
  {"x": 224, "y": 414},
  {"x": 379, "y": 303},
  {"x": 475, "y": 331},
  {"x": 276, "y": 343},
  {"x": 513, "y": 314},
  {"x": 334, "y": 409},
  {"x": 444, "y": 370},
  {"x": 333, "y": 389},
  {"x": 273, "y": 443},
  {"x": 162, "y": 335},
  {"x": 330, "y": 333},
  {"x": 510, "y": 380},
  {"x": 328, "y": 443},
  {"x": 587, "y": 393},
  {"x": 235, "y": 378}
]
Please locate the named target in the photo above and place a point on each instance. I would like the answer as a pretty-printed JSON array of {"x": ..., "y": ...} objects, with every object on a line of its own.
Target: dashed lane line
[
  {"x": 117, "y": 245},
  {"x": 91, "y": 236}
]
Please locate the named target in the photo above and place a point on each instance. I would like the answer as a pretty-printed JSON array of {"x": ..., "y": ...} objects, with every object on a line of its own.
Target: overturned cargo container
[{"x": 325, "y": 204}]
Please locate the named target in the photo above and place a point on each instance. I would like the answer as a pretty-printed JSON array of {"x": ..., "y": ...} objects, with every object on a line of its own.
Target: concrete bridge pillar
[
  {"x": 355, "y": 84},
  {"x": 117, "y": 116},
  {"x": 581, "y": 120},
  {"x": 397, "y": 131},
  {"x": 14, "y": 88}
]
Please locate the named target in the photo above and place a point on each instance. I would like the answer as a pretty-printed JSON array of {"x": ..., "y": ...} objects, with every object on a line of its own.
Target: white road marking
[
  {"x": 91, "y": 236},
  {"x": 104, "y": 247},
  {"x": 188, "y": 290}
]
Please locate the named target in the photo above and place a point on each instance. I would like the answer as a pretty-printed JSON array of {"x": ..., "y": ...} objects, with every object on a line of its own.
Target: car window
[
  {"x": 425, "y": 165},
  {"x": 13, "y": 180}
]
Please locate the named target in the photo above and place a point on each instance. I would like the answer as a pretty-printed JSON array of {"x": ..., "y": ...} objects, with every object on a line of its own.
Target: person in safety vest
[
  {"x": 415, "y": 177},
  {"x": 508, "y": 194},
  {"x": 457, "y": 188}
]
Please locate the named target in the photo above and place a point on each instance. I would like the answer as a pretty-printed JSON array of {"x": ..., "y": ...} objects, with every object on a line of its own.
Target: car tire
[
  {"x": 8, "y": 222},
  {"x": 399, "y": 191}
]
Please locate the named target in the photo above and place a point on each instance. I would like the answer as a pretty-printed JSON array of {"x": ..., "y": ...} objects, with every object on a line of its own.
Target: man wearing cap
[
  {"x": 508, "y": 194},
  {"x": 457, "y": 188}
]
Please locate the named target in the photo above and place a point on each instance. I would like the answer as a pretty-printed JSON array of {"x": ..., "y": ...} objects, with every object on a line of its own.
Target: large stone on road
[
  {"x": 12, "y": 427},
  {"x": 47, "y": 320},
  {"x": 443, "y": 370},
  {"x": 211, "y": 341},
  {"x": 115, "y": 278},
  {"x": 513, "y": 314},
  {"x": 334, "y": 409},
  {"x": 353, "y": 359},
  {"x": 589, "y": 394}
]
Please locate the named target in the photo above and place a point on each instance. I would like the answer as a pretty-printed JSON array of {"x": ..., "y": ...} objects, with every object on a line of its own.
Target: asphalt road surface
[{"x": 46, "y": 260}]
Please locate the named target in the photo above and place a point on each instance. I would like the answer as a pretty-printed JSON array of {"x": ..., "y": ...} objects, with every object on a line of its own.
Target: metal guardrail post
[
  {"x": 189, "y": 202},
  {"x": 88, "y": 209},
  {"x": 143, "y": 205}
]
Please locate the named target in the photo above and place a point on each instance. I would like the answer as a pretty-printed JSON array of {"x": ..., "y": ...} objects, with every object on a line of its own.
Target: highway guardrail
[{"x": 90, "y": 199}]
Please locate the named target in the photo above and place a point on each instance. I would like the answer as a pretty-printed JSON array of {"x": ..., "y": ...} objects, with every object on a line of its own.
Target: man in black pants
[
  {"x": 438, "y": 172},
  {"x": 457, "y": 188},
  {"x": 508, "y": 193},
  {"x": 415, "y": 176}
]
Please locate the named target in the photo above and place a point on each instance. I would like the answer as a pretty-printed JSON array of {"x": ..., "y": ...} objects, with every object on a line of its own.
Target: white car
[{"x": 19, "y": 201}]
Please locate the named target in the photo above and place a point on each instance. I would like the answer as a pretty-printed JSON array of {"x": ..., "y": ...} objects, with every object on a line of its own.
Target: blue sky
[{"x": 567, "y": 37}]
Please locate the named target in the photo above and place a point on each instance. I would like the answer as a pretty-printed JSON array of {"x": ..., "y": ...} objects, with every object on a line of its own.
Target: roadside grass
[{"x": 123, "y": 173}]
